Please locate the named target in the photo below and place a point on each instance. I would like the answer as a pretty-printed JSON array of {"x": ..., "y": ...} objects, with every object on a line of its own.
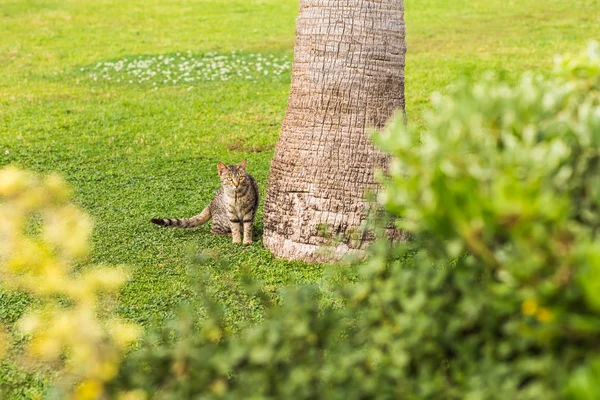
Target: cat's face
[{"x": 233, "y": 177}]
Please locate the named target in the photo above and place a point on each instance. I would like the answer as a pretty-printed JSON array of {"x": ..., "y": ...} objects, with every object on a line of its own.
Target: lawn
[{"x": 135, "y": 102}]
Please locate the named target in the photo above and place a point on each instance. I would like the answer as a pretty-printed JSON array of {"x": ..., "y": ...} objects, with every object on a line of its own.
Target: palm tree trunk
[{"x": 348, "y": 76}]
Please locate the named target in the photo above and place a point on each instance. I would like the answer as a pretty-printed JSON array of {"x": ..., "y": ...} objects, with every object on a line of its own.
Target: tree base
[{"x": 283, "y": 247}]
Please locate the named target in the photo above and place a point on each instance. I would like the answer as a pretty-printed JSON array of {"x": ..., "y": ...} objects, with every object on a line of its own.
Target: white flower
[{"x": 186, "y": 67}]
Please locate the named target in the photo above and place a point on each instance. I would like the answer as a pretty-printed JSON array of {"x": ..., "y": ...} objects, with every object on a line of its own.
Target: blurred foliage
[
  {"x": 43, "y": 237},
  {"x": 511, "y": 174},
  {"x": 495, "y": 297}
]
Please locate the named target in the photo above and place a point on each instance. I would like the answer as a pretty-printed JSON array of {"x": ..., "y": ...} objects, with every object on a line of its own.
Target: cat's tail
[{"x": 192, "y": 222}]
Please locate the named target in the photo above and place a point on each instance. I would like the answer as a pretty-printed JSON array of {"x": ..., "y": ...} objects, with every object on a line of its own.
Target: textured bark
[{"x": 348, "y": 76}]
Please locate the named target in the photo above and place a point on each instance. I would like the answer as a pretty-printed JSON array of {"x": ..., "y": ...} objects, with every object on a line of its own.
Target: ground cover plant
[
  {"x": 188, "y": 68},
  {"x": 132, "y": 152}
]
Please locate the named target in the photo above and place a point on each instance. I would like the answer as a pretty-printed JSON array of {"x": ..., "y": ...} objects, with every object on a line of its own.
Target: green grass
[{"x": 138, "y": 150}]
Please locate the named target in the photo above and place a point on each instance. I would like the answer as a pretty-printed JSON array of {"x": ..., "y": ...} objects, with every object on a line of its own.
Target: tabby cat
[{"x": 232, "y": 209}]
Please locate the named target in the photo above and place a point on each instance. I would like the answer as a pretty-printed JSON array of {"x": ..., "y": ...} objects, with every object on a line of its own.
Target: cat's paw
[{"x": 247, "y": 242}]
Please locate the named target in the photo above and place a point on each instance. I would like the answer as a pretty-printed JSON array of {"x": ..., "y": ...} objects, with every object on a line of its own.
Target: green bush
[
  {"x": 496, "y": 296},
  {"x": 511, "y": 174}
]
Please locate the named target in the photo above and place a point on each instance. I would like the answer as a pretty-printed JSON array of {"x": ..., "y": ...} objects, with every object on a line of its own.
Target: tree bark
[{"x": 347, "y": 76}]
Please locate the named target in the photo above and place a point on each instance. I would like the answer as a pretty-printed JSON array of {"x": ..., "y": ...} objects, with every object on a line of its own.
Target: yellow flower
[
  {"x": 529, "y": 307},
  {"x": 29, "y": 323},
  {"x": 123, "y": 334},
  {"x": 57, "y": 187},
  {"x": 88, "y": 390},
  {"x": 219, "y": 387},
  {"x": 13, "y": 181},
  {"x": 543, "y": 315},
  {"x": 69, "y": 229},
  {"x": 109, "y": 279},
  {"x": 107, "y": 369},
  {"x": 44, "y": 347}
]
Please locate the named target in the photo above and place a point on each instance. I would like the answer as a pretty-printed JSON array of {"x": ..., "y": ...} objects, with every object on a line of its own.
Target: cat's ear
[
  {"x": 222, "y": 168},
  {"x": 243, "y": 164}
]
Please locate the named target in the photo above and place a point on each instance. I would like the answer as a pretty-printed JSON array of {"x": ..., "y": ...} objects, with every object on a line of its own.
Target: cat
[{"x": 232, "y": 209}]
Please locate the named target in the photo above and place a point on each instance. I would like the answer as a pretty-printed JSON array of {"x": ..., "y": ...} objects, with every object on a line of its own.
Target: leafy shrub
[
  {"x": 43, "y": 236},
  {"x": 511, "y": 173},
  {"x": 496, "y": 297}
]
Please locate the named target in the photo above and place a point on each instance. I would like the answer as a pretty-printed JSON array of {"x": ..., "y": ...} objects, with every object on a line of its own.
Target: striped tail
[{"x": 193, "y": 222}]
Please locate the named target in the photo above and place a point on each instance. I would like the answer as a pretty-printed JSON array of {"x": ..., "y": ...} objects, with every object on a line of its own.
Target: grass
[{"x": 149, "y": 147}]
